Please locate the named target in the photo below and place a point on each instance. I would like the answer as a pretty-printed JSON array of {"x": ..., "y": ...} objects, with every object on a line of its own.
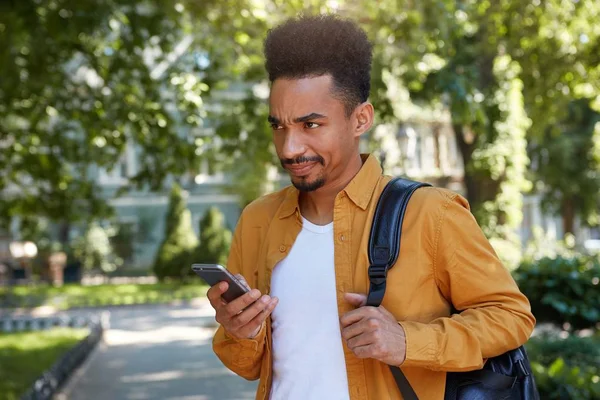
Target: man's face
[{"x": 312, "y": 135}]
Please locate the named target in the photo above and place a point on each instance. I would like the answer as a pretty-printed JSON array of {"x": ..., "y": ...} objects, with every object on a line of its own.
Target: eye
[
  {"x": 311, "y": 125},
  {"x": 276, "y": 127}
]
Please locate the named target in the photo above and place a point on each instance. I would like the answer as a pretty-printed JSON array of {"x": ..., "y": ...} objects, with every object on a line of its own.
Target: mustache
[{"x": 301, "y": 160}]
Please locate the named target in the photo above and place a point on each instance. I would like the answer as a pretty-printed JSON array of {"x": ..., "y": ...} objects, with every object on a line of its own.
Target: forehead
[{"x": 302, "y": 96}]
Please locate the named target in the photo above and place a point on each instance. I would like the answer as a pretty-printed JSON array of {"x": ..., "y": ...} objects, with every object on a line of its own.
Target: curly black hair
[{"x": 310, "y": 46}]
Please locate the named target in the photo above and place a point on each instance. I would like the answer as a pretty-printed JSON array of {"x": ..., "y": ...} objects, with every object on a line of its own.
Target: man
[{"x": 303, "y": 329}]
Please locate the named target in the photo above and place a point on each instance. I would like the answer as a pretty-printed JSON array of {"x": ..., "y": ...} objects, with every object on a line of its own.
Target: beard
[
  {"x": 309, "y": 186},
  {"x": 302, "y": 183}
]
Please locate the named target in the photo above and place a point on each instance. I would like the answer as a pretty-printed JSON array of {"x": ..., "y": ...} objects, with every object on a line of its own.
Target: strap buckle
[{"x": 377, "y": 274}]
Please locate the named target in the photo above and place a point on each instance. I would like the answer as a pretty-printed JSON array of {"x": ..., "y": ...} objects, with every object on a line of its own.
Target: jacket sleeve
[
  {"x": 495, "y": 316},
  {"x": 242, "y": 356}
]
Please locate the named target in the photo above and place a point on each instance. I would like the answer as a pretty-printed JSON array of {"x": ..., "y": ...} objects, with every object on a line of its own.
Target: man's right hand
[{"x": 244, "y": 316}]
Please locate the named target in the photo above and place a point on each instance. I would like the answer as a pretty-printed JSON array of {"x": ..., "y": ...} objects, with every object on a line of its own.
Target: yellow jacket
[{"x": 444, "y": 259}]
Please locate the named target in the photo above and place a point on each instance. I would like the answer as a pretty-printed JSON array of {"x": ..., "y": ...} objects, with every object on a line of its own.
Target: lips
[{"x": 300, "y": 169}]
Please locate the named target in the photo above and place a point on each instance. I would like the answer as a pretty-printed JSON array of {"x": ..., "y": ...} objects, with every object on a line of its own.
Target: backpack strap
[
  {"x": 384, "y": 247},
  {"x": 386, "y": 231}
]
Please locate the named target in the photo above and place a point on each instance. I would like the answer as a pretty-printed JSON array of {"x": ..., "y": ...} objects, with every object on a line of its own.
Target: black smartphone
[{"x": 215, "y": 273}]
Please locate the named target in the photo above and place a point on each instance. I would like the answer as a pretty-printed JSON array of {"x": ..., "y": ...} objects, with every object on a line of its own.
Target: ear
[{"x": 364, "y": 115}]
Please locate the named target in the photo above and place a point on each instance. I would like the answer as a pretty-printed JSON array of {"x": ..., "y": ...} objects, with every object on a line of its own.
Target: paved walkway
[{"x": 157, "y": 352}]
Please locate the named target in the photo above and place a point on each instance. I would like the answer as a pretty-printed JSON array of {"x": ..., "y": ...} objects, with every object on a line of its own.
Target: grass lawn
[
  {"x": 73, "y": 295},
  {"x": 25, "y": 355}
]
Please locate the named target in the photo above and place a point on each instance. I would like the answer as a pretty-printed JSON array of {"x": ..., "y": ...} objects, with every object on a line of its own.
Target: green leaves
[
  {"x": 94, "y": 250},
  {"x": 215, "y": 239},
  {"x": 565, "y": 367},
  {"x": 566, "y": 165},
  {"x": 563, "y": 289},
  {"x": 80, "y": 81},
  {"x": 174, "y": 256}
]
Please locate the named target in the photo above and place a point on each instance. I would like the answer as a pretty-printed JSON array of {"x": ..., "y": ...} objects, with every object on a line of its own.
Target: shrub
[
  {"x": 215, "y": 239},
  {"x": 93, "y": 249},
  {"x": 173, "y": 258},
  {"x": 563, "y": 289},
  {"x": 566, "y": 369},
  {"x": 123, "y": 242}
]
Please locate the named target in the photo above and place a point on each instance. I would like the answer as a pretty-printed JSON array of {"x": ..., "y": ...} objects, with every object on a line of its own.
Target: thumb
[
  {"x": 356, "y": 299},
  {"x": 242, "y": 280}
]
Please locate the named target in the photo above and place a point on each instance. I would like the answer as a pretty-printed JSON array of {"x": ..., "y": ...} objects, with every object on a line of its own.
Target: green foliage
[
  {"x": 245, "y": 150},
  {"x": 94, "y": 250},
  {"x": 567, "y": 159},
  {"x": 457, "y": 58},
  {"x": 493, "y": 64},
  {"x": 74, "y": 295},
  {"x": 80, "y": 81},
  {"x": 215, "y": 239},
  {"x": 508, "y": 250},
  {"x": 566, "y": 368},
  {"x": 123, "y": 242},
  {"x": 556, "y": 44},
  {"x": 173, "y": 258},
  {"x": 543, "y": 245},
  {"x": 562, "y": 289},
  {"x": 25, "y": 355},
  {"x": 573, "y": 349}
]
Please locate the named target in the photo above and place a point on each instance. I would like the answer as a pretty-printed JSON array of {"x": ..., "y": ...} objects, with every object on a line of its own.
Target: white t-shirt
[{"x": 308, "y": 357}]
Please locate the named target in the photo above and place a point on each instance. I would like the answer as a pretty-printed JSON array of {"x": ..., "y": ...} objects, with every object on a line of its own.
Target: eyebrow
[{"x": 305, "y": 118}]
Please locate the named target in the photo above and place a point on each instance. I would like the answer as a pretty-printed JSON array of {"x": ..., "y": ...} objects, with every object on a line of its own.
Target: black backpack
[{"x": 506, "y": 377}]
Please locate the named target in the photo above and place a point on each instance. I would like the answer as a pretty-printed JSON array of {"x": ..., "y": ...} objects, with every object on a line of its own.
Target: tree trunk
[
  {"x": 466, "y": 150},
  {"x": 63, "y": 232},
  {"x": 436, "y": 147},
  {"x": 568, "y": 215},
  {"x": 479, "y": 189}
]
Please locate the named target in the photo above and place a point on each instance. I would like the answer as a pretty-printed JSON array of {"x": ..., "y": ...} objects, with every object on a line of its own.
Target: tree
[
  {"x": 123, "y": 242},
  {"x": 174, "y": 256},
  {"x": 502, "y": 69},
  {"x": 506, "y": 70},
  {"x": 80, "y": 80},
  {"x": 94, "y": 250},
  {"x": 567, "y": 164},
  {"x": 215, "y": 239},
  {"x": 559, "y": 49},
  {"x": 450, "y": 55}
]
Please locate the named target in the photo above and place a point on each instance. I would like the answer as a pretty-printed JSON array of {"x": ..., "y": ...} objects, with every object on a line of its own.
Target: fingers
[
  {"x": 356, "y": 299},
  {"x": 252, "y": 328},
  {"x": 364, "y": 351},
  {"x": 365, "y": 338},
  {"x": 354, "y": 316},
  {"x": 215, "y": 292},
  {"x": 362, "y": 326},
  {"x": 239, "y": 304},
  {"x": 251, "y": 312},
  {"x": 244, "y": 316}
]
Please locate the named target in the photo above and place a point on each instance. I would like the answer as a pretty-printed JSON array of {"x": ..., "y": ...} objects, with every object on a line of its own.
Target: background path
[{"x": 157, "y": 352}]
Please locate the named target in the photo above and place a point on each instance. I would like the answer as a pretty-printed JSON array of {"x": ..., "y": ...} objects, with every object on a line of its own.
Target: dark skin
[
  {"x": 309, "y": 121},
  {"x": 318, "y": 144}
]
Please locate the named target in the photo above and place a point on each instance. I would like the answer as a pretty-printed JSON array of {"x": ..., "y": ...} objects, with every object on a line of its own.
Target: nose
[{"x": 293, "y": 144}]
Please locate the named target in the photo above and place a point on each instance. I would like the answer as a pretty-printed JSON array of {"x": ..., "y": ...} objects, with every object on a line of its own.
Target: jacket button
[
  {"x": 282, "y": 248},
  {"x": 342, "y": 238}
]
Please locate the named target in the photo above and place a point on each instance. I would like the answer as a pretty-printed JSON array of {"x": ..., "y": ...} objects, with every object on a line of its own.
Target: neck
[{"x": 317, "y": 206}]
